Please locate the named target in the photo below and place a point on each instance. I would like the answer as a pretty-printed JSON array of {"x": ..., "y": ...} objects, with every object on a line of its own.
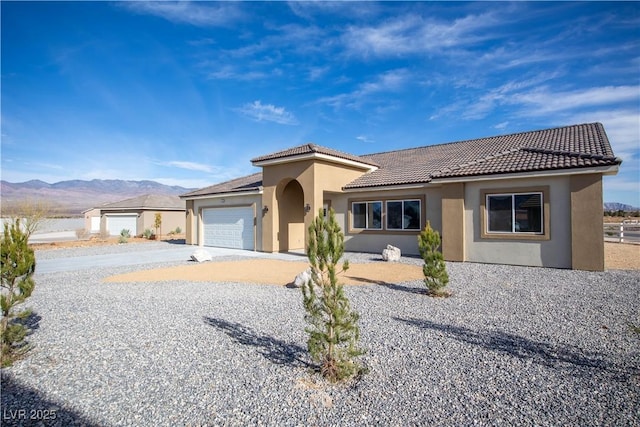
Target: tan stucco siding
[
  {"x": 552, "y": 251},
  {"x": 587, "y": 243},
  {"x": 315, "y": 177},
  {"x": 88, "y": 215},
  {"x": 190, "y": 226},
  {"x": 170, "y": 221},
  {"x": 196, "y": 235},
  {"x": 453, "y": 229},
  {"x": 374, "y": 241}
]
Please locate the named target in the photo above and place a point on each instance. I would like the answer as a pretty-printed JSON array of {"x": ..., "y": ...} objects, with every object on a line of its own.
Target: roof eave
[
  {"x": 315, "y": 156},
  {"x": 252, "y": 192}
]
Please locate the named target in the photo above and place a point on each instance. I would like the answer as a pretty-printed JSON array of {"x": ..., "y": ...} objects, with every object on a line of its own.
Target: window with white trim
[
  {"x": 367, "y": 215},
  {"x": 515, "y": 213},
  {"x": 403, "y": 215}
]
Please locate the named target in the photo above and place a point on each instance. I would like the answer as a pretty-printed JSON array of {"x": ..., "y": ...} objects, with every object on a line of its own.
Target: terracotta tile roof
[
  {"x": 148, "y": 202},
  {"x": 244, "y": 184},
  {"x": 567, "y": 147},
  {"x": 313, "y": 148}
]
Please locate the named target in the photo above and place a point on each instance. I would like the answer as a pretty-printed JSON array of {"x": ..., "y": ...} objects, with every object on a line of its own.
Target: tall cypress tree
[
  {"x": 333, "y": 326},
  {"x": 17, "y": 267}
]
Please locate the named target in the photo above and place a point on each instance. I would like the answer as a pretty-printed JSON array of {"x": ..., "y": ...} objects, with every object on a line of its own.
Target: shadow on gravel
[
  {"x": 274, "y": 350},
  {"x": 175, "y": 241},
  {"x": 558, "y": 357},
  {"x": 392, "y": 286},
  {"x": 25, "y": 406}
]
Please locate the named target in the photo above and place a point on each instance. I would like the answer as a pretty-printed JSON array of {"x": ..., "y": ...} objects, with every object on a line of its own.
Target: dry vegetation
[
  {"x": 96, "y": 241},
  {"x": 615, "y": 219}
]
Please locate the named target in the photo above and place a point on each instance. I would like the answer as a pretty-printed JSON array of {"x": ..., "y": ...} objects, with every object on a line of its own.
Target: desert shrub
[
  {"x": 434, "y": 268},
  {"x": 124, "y": 236},
  {"x": 178, "y": 230},
  {"x": 18, "y": 264},
  {"x": 82, "y": 233},
  {"x": 148, "y": 233},
  {"x": 333, "y": 325}
]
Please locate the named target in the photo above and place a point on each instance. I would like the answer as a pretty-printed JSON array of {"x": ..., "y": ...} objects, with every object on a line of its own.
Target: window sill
[{"x": 514, "y": 236}]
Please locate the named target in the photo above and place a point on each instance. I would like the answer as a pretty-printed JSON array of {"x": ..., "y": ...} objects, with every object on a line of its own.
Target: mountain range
[
  {"x": 612, "y": 206},
  {"x": 73, "y": 197}
]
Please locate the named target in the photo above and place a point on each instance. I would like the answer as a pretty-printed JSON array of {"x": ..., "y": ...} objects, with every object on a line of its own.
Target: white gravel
[{"x": 512, "y": 346}]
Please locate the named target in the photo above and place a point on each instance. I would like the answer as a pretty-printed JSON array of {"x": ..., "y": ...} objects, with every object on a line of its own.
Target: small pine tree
[
  {"x": 434, "y": 269},
  {"x": 333, "y": 331},
  {"x": 17, "y": 267},
  {"x": 158, "y": 224}
]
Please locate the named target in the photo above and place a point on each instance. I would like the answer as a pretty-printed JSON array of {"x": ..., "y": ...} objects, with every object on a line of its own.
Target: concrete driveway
[{"x": 146, "y": 255}]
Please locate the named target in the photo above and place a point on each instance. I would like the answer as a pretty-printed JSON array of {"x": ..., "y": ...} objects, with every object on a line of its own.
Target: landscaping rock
[
  {"x": 302, "y": 278},
  {"x": 201, "y": 255},
  {"x": 391, "y": 253}
]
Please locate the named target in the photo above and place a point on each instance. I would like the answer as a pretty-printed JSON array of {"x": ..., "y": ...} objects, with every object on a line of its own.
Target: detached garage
[
  {"x": 116, "y": 223},
  {"x": 138, "y": 213},
  {"x": 231, "y": 227}
]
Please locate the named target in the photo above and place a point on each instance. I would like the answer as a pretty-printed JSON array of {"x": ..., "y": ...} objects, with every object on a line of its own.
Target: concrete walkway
[{"x": 175, "y": 253}]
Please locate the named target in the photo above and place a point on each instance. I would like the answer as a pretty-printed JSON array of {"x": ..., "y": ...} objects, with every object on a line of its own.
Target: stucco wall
[
  {"x": 196, "y": 236},
  {"x": 554, "y": 252},
  {"x": 374, "y": 241},
  {"x": 315, "y": 177},
  {"x": 170, "y": 221}
]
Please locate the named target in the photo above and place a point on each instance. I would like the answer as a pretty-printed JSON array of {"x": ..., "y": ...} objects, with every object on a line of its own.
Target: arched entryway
[{"x": 291, "y": 231}]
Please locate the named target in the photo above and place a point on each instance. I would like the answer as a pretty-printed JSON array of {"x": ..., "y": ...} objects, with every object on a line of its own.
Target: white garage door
[
  {"x": 228, "y": 227},
  {"x": 117, "y": 223}
]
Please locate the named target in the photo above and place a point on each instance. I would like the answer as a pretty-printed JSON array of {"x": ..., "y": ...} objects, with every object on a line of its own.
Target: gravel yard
[{"x": 512, "y": 346}]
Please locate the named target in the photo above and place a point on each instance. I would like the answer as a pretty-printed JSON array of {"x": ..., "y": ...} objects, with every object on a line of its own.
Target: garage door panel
[
  {"x": 117, "y": 223},
  {"x": 228, "y": 227}
]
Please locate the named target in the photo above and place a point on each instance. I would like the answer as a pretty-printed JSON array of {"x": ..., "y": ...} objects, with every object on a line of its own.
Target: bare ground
[
  {"x": 269, "y": 271},
  {"x": 621, "y": 256}
]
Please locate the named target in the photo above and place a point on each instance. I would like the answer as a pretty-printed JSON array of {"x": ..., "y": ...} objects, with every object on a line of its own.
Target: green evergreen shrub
[
  {"x": 148, "y": 234},
  {"x": 333, "y": 325},
  {"x": 18, "y": 264},
  {"x": 434, "y": 268},
  {"x": 124, "y": 236}
]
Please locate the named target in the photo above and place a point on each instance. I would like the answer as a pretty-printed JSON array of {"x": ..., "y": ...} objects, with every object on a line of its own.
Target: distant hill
[
  {"x": 612, "y": 206},
  {"x": 73, "y": 197}
]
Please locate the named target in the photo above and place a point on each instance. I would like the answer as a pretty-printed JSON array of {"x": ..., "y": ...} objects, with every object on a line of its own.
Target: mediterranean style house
[{"x": 531, "y": 198}]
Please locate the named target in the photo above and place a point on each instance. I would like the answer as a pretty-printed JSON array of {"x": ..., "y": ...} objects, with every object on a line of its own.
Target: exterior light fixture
[
  {"x": 307, "y": 208},
  {"x": 265, "y": 209}
]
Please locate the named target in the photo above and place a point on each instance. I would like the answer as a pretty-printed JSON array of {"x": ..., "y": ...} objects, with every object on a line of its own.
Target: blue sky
[{"x": 187, "y": 93}]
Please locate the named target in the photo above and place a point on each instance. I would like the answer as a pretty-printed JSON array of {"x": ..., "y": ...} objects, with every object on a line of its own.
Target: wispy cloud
[
  {"x": 268, "y": 112},
  {"x": 390, "y": 81},
  {"x": 544, "y": 101},
  {"x": 364, "y": 138},
  {"x": 229, "y": 72},
  {"x": 412, "y": 34},
  {"x": 201, "y": 167},
  {"x": 201, "y": 14}
]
